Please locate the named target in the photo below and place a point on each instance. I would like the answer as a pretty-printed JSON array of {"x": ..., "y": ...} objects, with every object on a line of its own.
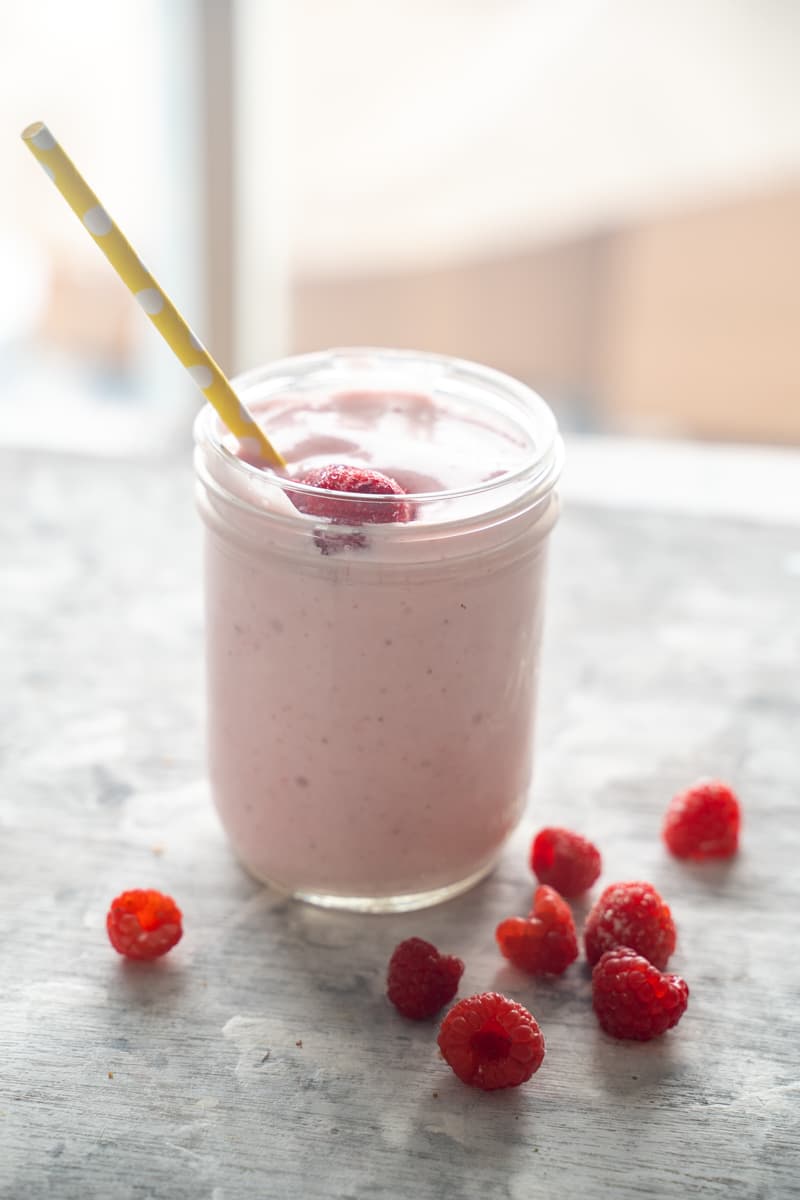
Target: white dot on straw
[
  {"x": 195, "y": 341},
  {"x": 97, "y": 221},
  {"x": 151, "y": 301},
  {"x": 202, "y": 376},
  {"x": 44, "y": 139},
  {"x": 47, "y": 170},
  {"x": 245, "y": 418}
]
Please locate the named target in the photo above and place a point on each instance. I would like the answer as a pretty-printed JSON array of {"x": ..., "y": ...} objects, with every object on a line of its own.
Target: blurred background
[{"x": 601, "y": 197}]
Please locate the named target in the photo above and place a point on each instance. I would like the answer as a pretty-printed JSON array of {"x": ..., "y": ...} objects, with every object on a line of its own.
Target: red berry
[
  {"x": 491, "y": 1042},
  {"x": 633, "y": 999},
  {"x": 339, "y": 477},
  {"x": 703, "y": 822},
  {"x": 633, "y": 915},
  {"x": 543, "y": 943},
  {"x": 143, "y": 924},
  {"x": 421, "y": 980},
  {"x": 565, "y": 860}
]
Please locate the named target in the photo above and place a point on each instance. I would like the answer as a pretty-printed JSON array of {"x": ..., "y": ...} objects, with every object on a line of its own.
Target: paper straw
[{"x": 187, "y": 348}]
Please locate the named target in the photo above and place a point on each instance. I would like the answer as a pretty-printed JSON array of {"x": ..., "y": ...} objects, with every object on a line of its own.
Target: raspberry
[
  {"x": 703, "y": 822},
  {"x": 357, "y": 481},
  {"x": 421, "y": 980},
  {"x": 543, "y": 943},
  {"x": 633, "y": 999},
  {"x": 633, "y": 915},
  {"x": 328, "y": 542},
  {"x": 565, "y": 860},
  {"x": 491, "y": 1042},
  {"x": 143, "y": 924}
]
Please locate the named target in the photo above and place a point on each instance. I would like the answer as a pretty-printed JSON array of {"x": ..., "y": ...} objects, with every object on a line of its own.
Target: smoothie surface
[{"x": 427, "y": 443}]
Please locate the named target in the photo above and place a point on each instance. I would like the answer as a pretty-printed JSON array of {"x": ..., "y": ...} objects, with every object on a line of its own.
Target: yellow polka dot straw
[{"x": 162, "y": 312}]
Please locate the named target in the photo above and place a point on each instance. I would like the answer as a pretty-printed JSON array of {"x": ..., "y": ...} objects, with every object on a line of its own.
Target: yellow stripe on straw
[{"x": 204, "y": 371}]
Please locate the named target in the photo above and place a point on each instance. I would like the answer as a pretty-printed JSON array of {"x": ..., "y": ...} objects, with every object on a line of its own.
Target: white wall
[{"x": 422, "y": 131}]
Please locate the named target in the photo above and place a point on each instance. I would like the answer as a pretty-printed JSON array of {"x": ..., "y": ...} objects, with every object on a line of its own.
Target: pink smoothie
[{"x": 371, "y": 701}]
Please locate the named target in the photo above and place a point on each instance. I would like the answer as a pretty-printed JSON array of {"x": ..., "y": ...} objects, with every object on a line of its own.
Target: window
[{"x": 80, "y": 367}]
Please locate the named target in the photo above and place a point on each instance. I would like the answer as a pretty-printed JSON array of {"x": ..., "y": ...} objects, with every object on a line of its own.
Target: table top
[{"x": 261, "y": 1058}]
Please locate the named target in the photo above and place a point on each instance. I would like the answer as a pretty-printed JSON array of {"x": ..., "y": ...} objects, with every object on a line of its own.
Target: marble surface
[{"x": 261, "y": 1058}]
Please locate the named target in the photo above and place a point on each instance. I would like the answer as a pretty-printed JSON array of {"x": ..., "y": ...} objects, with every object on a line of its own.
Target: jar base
[{"x": 404, "y": 902}]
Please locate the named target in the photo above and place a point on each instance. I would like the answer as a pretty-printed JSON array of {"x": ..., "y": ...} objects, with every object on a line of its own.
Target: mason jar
[{"x": 372, "y": 686}]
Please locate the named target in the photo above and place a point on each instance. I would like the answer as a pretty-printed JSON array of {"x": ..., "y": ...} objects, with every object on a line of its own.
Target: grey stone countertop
[{"x": 261, "y": 1058}]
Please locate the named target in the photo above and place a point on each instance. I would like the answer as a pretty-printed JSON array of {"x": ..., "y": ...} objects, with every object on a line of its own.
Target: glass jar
[{"x": 371, "y": 688}]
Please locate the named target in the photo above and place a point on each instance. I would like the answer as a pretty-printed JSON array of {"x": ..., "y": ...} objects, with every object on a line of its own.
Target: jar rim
[{"x": 541, "y": 469}]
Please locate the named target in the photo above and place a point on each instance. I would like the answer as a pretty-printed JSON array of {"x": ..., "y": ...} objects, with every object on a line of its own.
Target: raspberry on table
[
  {"x": 543, "y": 943},
  {"x": 703, "y": 822},
  {"x": 491, "y": 1042},
  {"x": 633, "y": 999},
  {"x": 565, "y": 860},
  {"x": 421, "y": 980},
  {"x": 143, "y": 924},
  {"x": 361, "y": 481},
  {"x": 633, "y": 915}
]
